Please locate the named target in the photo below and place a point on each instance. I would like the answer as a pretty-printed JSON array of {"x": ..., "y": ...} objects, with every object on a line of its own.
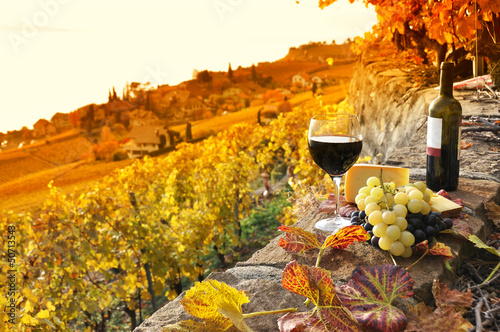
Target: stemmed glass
[{"x": 335, "y": 143}]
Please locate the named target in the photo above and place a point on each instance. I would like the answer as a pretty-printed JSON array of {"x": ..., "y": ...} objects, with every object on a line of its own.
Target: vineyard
[
  {"x": 19, "y": 163},
  {"x": 147, "y": 231}
]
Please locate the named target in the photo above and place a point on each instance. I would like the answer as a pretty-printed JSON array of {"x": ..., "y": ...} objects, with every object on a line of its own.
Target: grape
[
  {"x": 370, "y": 199},
  {"x": 397, "y": 248},
  {"x": 384, "y": 243},
  {"x": 409, "y": 189},
  {"x": 410, "y": 228},
  {"x": 437, "y": 214},
  {"x": 393, "y": 232},
  {"x": 430, "y": 231},
  {"x": 419, "y": 235},
  {"x": 400, "y": 210},
  {"x": 426, "y": 208},
  {"x": 364, "y": 190},
  {"x": 361, "y": 204},
  {"x": 362, "y": 215},
  {"x": 407, "y": 238},
  {"x": 448, "y": 222},
  {"x": 389, "y": 198},
  {"x": 373, "y": 181},
  {"x": 389, "y": 217},
  {"x": 371, "y": 207},
  {"x": 416, "y": 223},
  {"x": 401, "y": 198},
  {"x": 355, "y": 220},
  {"x": 408, "y": 252},
  {"x": 359, "y": 197},
  {"x": 380, "y": 229},
  {"x": 420, "y": 186},
  {"x": 432, "y": 219},
  {"x": 414, "y": 206},
  {"x": 367, "y": 226},
  {"x": 355, "y": 214},
  {"x": 426, "y": 198},
  {"x": 416, "y": 194},
  {"x": 377, "y": 192},
  {"x": 374, "y": 241},
  {"x": 429, "y": 192},
  {"x": 401, "y": 223},
  {"x": 375, "y": 217}
]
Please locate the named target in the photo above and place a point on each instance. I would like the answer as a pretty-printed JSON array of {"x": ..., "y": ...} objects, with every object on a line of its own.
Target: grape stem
[
  {"x": 385, "y": 192},
  {"x": 272, "y": 312},
  {"x": 418, "y": 260}
]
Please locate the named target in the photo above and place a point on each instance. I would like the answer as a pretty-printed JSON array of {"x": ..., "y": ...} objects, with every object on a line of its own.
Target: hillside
[{"x": 64, "y": 158}]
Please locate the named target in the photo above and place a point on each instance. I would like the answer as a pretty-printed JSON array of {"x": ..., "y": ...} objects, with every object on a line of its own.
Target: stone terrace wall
[{"x": 390, "y": 107}]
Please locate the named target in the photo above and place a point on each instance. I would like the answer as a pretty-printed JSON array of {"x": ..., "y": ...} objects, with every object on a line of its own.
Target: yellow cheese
[
  {"x": 447, "y": 208},
  {"x": 356, "y": 177}
]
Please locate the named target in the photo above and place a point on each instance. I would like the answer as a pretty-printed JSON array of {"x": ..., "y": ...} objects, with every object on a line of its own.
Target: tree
[
  {"x": 433, "y": 28},
  {"x": 230, "y": 72},
  {"x": 204, "y": 77},
  {"x": 253, "y": 74}
]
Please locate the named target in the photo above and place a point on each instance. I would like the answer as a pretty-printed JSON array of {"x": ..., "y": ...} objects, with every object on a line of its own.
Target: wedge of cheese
[
  {"x": 447, "y": 208},
  {"x": 356, "y": 177}
]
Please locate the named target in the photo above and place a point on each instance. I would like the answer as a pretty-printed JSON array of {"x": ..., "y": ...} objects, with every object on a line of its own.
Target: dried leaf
[
  {"x": 422, "y": 318},
  {"x": 493, "y": 212},
  {"x": 370, "y": 293},
  {"x": 316, "y": 284},
  {"x": 297, "y": 240},
  {"x": 461, "y": 228},
  {"x": 480, "y": 244},
  {"x": 345, "y": 237},
  {"x": 436, "y": 249},
  {"x": 446, "y": 297}
]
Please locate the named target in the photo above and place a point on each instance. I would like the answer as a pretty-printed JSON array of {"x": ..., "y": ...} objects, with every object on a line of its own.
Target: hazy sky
[{"x": 59, "y": 55}]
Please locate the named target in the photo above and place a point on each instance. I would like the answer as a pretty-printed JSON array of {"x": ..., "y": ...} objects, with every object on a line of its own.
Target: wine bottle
[{"x": 443, "y": 135}]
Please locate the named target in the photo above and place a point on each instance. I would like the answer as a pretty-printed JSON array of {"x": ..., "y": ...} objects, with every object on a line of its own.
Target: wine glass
[{"x": 335, "y": 143}]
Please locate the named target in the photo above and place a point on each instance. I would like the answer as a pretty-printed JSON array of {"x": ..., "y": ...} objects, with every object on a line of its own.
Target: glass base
[{"x": 332, "y": 224}]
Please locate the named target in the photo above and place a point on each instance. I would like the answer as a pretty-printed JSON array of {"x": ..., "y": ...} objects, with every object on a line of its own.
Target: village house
[
  {"x": 146, "y": 139},
  {"x": 43, "y": 128},
  {"x": 302, "y": 79},
  {"x": 61, "y": 121},
  {"x": 140, "y": 117}
]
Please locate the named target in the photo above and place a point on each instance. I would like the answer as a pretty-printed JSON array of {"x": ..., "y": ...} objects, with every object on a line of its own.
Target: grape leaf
[
  {"x": 298, "y": 240},
  {"x": 422, "y": 318},
  {"x": 316, "y": 284},
  {"x": 216, "y": 302},
  {"x": 493, "y": 212},
  {"x": 480, "y": 244},
  {"x": 446, "y": 297},
  {"x": 370, "y": 293},
  {"x": 461, "y": 228},
  {"x": 436, "y": 249},
  {"x": 345, "y": 237}
]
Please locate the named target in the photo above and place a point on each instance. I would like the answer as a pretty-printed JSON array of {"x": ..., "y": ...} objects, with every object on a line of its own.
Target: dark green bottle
[{"x": 443, "y": 135}]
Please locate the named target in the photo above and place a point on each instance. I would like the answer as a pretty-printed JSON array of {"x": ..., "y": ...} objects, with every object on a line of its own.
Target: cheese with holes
[
  {"x": 447, "y": 208},
  {"x": 356, "y": 177}
]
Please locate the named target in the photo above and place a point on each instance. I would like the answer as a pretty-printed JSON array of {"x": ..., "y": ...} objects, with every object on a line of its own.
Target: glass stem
[{"x": 336, "y": 180}]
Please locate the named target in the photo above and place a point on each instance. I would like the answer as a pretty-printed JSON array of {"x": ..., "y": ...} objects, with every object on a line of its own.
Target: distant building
[
  {"x": 43, "y": 128},
  {"x": 140, "y": 117},
  {"x": 146, "y": 139},
  {"x": 302, "y": 79},
  {"x": 61, "y": 121}
]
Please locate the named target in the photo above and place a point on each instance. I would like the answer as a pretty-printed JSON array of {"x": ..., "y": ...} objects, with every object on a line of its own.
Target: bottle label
[{"x": 434, "y": 133}]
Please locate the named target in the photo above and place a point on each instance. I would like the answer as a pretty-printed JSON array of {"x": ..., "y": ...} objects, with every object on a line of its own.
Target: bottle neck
[{"x": 446, "y": 80}]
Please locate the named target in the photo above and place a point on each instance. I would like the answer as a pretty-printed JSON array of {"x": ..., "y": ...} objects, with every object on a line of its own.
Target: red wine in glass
[{"x": 335, "y": 143}]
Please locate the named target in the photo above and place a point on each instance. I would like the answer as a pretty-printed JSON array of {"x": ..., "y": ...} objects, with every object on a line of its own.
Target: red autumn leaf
[
  {"x": 447, "y": 297},
  {"x": 436, "y": 249},
  {"x": 345, "y": 237},
  {"x": 422, "y": 318},
  {"x": 370, "y": 293},
  {"x": 297, "y": 240},
  {"x": 316, "y": 284},
  {"x": 461, "y": 228}
]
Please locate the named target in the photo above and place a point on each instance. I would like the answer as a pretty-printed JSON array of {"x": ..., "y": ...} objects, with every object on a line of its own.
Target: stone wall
[{"x": 390, "y": 107}]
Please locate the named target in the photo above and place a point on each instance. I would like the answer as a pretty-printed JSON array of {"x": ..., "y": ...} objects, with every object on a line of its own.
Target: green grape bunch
[{"x": 397, "y": 218}]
